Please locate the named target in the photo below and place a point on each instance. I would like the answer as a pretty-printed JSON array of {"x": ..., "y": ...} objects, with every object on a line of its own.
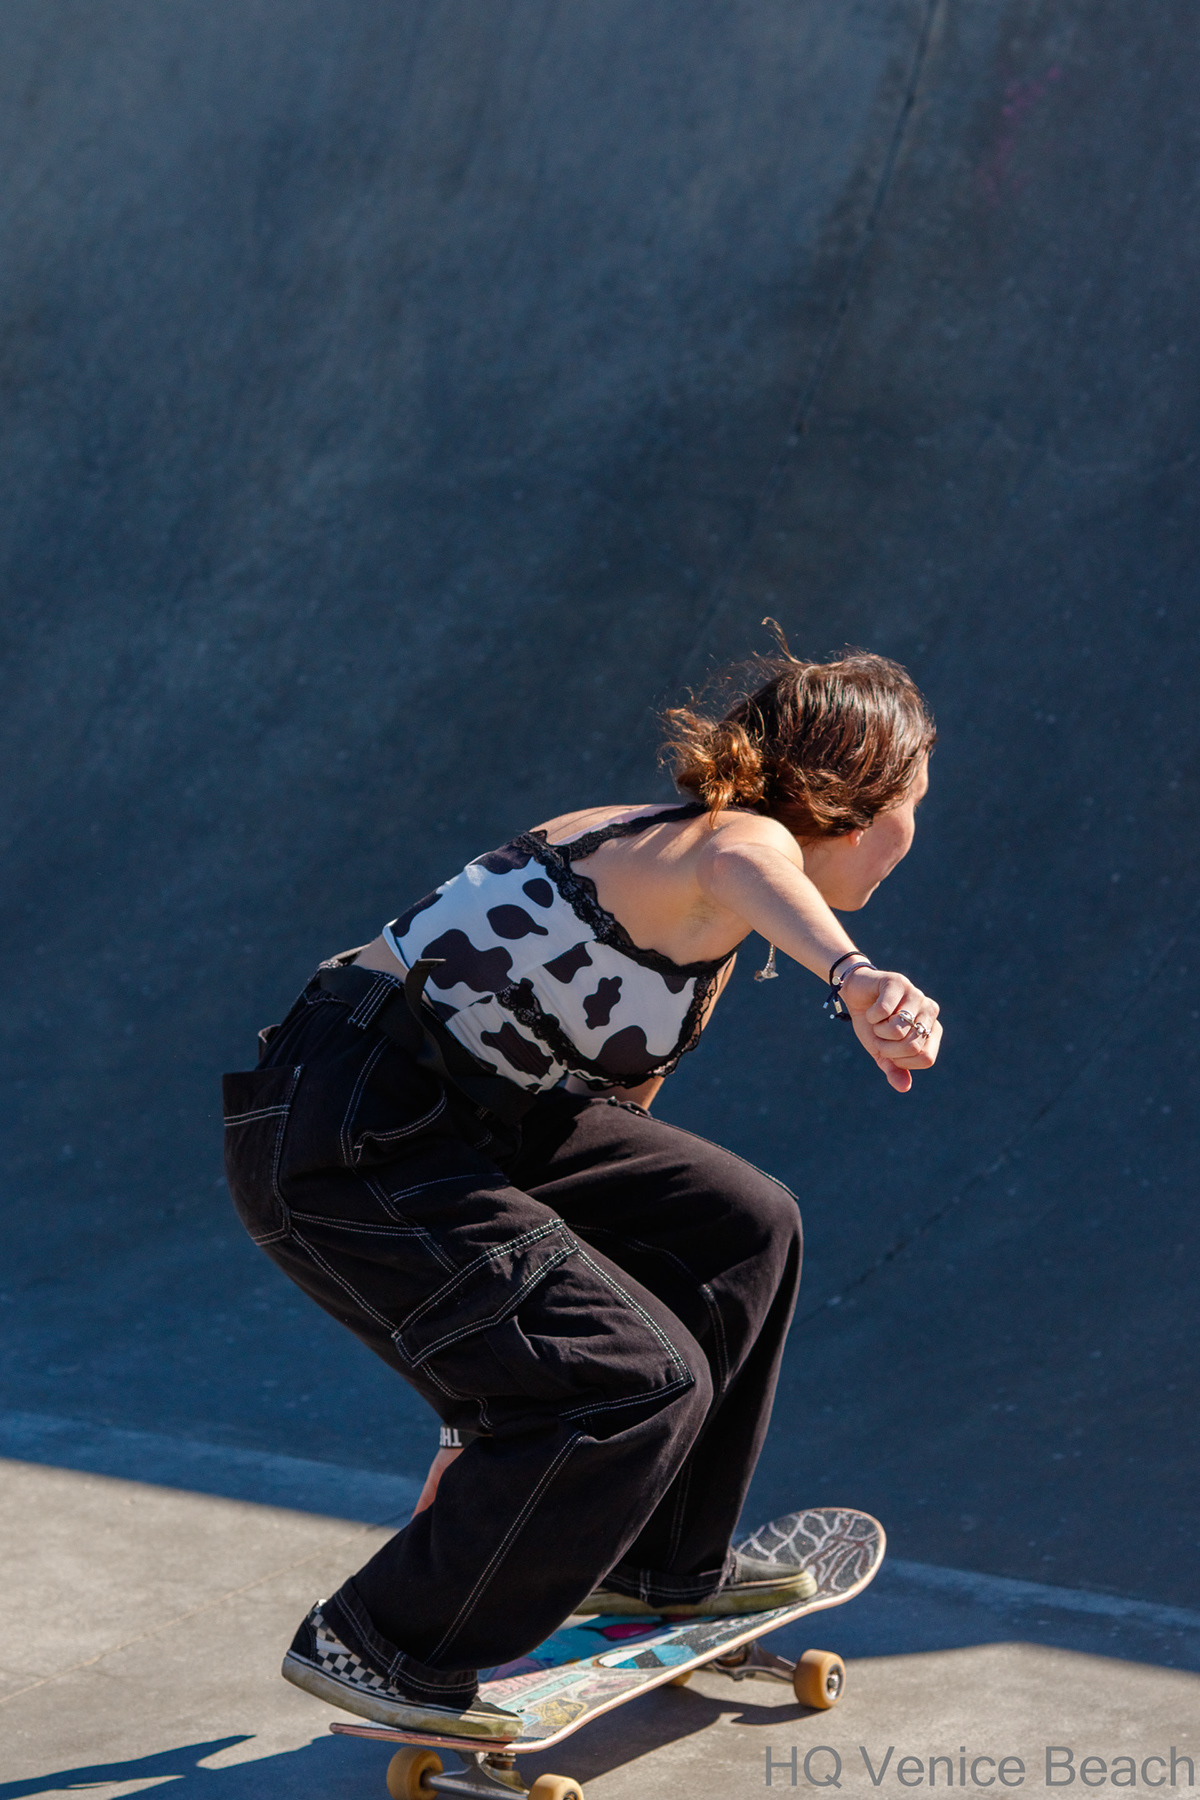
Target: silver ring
[
  {"x": 906, "y": 1018},
  {"x": 921, "y": 1031}
]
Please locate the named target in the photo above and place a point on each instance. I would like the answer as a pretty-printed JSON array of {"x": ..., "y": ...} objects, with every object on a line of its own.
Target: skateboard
[{"x": 594, "y": 1663}]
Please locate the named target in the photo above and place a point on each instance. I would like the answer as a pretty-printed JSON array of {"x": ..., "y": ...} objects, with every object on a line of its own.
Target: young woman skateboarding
[{"x": 447, "y": 1144}]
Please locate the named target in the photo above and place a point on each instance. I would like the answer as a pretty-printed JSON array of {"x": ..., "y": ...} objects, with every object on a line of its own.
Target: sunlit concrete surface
[
  {"x": 151, "y": 1626},
  {"x": 145, "y": 1624}
]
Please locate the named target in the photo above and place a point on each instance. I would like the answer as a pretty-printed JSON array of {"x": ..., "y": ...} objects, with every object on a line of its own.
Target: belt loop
[{"x": 379, "y": 991}]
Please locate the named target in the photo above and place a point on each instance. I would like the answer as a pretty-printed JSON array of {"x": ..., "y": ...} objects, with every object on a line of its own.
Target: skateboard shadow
[
  {"x": 665, "y": 1716},
  {"x": 164, "y": 1765}
]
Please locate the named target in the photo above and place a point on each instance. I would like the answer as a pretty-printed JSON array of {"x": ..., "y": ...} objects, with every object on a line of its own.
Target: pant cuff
[{"x": 415, "y": 1680}]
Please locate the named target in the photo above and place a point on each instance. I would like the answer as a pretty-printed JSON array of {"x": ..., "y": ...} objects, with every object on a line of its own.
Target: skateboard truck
[
  {"x": 817, "y": 1679},
  {"x": 415, "y": 1774},
  {"x": 483, "y": 1772},
  {"x": 753, "y": 1659}
]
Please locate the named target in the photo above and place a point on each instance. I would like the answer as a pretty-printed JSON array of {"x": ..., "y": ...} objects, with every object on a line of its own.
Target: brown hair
[{"x": 822, "y": 747}]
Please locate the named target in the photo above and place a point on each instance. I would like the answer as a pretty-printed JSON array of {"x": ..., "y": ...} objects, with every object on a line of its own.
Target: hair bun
[
  {"x": 718, "y": 760},
  {"x": 823, "y": 747}
]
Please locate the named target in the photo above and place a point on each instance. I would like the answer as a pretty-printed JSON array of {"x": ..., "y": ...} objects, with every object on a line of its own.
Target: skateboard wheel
[
  {"x": 555, "y": 1787},
  {"x": 407, "y": 1771},
  {"x": 681, "y": 1680},
  {"x": 819, "y": 1679}
]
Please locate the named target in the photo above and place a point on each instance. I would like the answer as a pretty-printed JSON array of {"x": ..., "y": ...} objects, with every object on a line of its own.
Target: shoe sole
[
  {"x": 720, "y": 1606},
  {"x": 746, "y": 1600},
  {"x": 406, "y": 1716}
]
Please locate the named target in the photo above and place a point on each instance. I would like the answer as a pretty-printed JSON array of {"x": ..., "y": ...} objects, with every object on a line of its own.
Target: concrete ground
[{"x": 146, "y": 1625}]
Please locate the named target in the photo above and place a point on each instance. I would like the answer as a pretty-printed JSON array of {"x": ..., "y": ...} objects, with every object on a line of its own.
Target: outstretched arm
[{"x": 763, "y": 884}]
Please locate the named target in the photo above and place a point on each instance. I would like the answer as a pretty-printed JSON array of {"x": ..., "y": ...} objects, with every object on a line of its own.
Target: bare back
[{"x": 649, "y": 882}]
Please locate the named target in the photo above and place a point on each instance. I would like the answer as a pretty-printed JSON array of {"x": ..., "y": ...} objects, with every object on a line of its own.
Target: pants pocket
[
  {"x": 465, "y": 1338},
  {"x": 485, "y": 1293},
  {"x": 538, "y": 1320},
  {"x": 257, "y": 1105}
]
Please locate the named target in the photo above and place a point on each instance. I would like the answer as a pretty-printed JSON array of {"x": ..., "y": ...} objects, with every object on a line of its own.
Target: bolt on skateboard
[{"x": 593, "y": 1664}]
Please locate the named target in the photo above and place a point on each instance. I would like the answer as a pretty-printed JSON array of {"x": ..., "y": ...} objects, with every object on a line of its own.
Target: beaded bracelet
[{"x": 833, "y": 1003}]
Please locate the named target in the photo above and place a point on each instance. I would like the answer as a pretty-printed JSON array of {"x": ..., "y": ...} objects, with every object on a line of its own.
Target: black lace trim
[
  {"x": 521, "y": 1001},
  {"x": 579, "y": 891},
  {"x": 693, "y": 1019},
  {"x": 592, "y": 840}
]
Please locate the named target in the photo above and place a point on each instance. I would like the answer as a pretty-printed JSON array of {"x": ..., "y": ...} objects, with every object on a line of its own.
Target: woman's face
[{"x": 847, "y": 870}]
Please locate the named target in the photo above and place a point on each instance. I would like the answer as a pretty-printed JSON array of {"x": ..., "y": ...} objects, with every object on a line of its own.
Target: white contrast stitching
[
  {"x": 702, "y": 1288},
  {"x": 509, "y": 1246},
  {"x": 661, "y": 1335},
  {"x": 398, "y": 1671},
  {"x": 381, "y": 989},
  {"x": 278, "y": 1156},
  {"x": 342, "y": 1283},
  {"x": 360, "y": 1083},
  {"x": 403, "y": 1131},
  {"x": 260, "y": 1112},
  {"x": 681, "y": 1383},
  {"x": 502, "y": 1312},
  {"x": 431, "y": 1244},
  {"x": 353, "y": 1225},
  {"x": 502, "y": 1549},
  {"x": 423, "y": 1187}
]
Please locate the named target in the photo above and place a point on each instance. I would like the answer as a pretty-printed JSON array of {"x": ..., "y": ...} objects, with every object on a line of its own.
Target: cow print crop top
[{"x": 538, "y": 981}]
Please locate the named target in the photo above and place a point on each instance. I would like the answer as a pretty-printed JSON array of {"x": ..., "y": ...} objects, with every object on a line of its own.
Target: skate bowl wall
[{"x": 400, "y": 404}]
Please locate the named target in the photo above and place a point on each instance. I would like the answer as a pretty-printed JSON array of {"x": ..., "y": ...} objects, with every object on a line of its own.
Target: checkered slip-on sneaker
[
  {"x": 752, "y": 1586},
  {"x": 321, "y": 1664}
]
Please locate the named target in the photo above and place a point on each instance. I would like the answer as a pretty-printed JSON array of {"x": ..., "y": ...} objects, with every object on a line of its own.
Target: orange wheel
[
  {"x": 555, "y": 1787},
  {"x": 407, "y": 1771},
  {"x": 819, "y": 1679},
  {"x": 681, "y": 1680}
]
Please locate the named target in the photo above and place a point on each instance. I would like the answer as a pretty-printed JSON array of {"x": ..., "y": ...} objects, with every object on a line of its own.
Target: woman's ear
[{"x": 855, "y": 837}]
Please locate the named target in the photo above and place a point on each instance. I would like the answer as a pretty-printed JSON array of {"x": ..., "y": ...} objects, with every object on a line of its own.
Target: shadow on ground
[
  {"x": 326, "y": 1766},
  {"x": 891, "y": 1624}
]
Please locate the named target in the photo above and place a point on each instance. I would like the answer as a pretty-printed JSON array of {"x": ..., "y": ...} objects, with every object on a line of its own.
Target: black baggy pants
[{"x": 603, "y": 1297}]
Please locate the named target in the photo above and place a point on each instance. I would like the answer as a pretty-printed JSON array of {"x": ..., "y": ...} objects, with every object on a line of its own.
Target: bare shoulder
[
  {"x": 696, "y": 835},
  {"x": 736, "y": 828},
  {"x": 709, "y": 860}
]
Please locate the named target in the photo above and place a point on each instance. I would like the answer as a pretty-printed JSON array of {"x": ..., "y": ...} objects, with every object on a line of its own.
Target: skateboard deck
[{"x": 596, "y": 1662}]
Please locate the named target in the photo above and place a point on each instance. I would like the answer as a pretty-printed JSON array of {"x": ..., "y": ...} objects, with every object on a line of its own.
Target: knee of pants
[
  {"x": 782, "y": 1227},
  {"x": 764, "y": 1221}
]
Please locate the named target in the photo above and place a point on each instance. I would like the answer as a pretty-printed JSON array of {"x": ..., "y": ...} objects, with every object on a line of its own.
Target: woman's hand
[
  {"x": 437, "y": 1469},
  {"x": 894, "y": 1022}
]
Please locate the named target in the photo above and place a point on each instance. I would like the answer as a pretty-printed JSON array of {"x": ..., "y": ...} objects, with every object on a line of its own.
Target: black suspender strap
[{"x": 399, "y": 1011}]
